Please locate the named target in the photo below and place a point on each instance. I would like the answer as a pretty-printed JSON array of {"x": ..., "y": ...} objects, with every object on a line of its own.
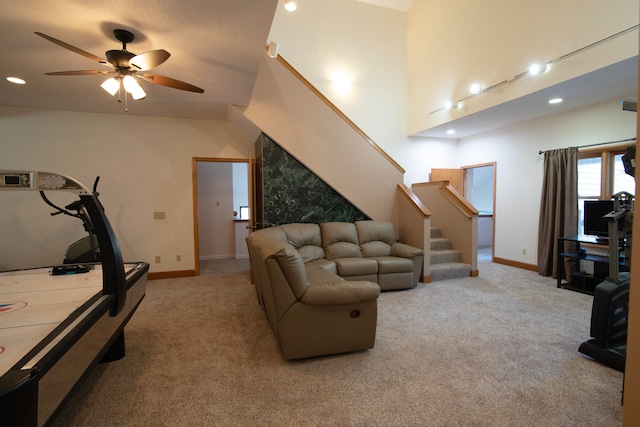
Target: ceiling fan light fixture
[
  {"x": 132, "y": 86},
  {"x": 111, "y": 85},
  {"x": 16, "y": 80}
]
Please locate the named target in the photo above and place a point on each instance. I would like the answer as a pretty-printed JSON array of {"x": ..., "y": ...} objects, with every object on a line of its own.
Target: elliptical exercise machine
[
  {"x": 610, "y": 310},
  {"x": 87, "y": 249}
]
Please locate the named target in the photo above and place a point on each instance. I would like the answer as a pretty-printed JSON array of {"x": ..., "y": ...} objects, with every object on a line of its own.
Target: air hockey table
[{"x": 58, "y": 322}]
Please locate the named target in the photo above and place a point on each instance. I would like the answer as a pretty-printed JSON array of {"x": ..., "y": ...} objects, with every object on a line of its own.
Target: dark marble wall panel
[{"x": 292, "y": 193}]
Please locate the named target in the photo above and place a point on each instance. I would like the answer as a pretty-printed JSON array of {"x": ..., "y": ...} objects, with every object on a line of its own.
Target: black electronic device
[
  {"x": 594, "y": 210},
  {"x": 609, "y": 315}
]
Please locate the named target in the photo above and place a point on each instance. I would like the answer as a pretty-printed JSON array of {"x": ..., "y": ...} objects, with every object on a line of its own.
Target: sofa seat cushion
[
  {"x": 340, "y": 293},
  {"x": 356, "y": 266},
  {"x": 396, "y": 281},
  {"x": 317, "y": 276},
  {"x": 325, "y": 264},
  {"x": 392, "y": 264}
]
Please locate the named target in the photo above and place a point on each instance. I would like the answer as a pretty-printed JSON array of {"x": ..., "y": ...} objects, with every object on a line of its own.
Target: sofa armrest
[
  {"x": 341, "y": 293},
  {"x": 405, "y": 251}
]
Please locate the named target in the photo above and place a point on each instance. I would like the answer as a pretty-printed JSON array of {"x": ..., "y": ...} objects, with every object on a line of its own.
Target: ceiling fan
[{"x": 125, "y": 67}]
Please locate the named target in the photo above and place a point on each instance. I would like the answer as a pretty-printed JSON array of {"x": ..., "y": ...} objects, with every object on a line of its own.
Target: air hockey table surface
[
  {"x": 33, "y": 303},
  {"x": 53, "y": 329}
]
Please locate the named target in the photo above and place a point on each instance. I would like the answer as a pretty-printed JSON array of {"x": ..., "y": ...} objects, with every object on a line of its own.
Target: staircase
[{"x": 446, "y": 263}]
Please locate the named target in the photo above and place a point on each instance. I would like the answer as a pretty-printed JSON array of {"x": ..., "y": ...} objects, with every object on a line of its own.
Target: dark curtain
[{"x": 558, "y": 210}]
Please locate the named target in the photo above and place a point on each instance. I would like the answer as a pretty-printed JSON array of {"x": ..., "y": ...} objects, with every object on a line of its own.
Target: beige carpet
[{"x": 496, "y": 350}]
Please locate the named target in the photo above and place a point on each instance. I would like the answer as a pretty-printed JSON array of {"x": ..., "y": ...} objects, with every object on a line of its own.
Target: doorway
[
  {"x": 221, "y": 208},
  {"x": 479, "y": 190}
]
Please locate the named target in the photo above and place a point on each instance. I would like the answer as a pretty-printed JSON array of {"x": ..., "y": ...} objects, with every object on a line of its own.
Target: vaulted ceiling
[{"x": 216, "y": 45}]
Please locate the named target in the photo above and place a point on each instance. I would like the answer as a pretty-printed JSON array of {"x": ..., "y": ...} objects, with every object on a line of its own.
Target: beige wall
[
  {"x": 453, "y": 43},
  {"x": 368, "y": 44},
  {"x": 312, "y": 132},
  {"x": 144, "y": 164}
]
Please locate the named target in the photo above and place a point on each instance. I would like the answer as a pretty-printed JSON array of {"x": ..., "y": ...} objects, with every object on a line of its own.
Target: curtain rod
[{"x": 596, "y": 144}]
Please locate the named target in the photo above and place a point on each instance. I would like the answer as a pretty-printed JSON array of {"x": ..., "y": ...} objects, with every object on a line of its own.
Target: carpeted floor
[{"x": 495, "y": 350}]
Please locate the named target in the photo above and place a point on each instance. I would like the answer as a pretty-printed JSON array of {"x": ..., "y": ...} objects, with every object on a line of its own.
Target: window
[{"x": 601, "y": 175}]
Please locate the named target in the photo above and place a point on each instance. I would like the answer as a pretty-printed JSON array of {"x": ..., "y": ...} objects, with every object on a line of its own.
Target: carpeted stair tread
[
  {"x": 450, "y": 270},
  {"x": 445, "y": 256},
  {"x": 440, "y": 243}
]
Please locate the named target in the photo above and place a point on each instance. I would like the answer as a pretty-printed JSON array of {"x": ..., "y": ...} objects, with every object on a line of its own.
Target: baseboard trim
[
  {"x": 524, "y": 266},
  {"x": 171, "y": 274},
  {"x": 217, "y": 257}
]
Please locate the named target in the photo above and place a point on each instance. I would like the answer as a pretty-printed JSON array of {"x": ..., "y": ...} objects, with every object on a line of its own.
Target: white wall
[
  {"x": 145, "y": 165},
  {"x": 479, "y": 188},
  {"x": 519, "y": 167},
  {"x": 405, "y": 65},
  {"x": 448, "y": 44},
  {"x": 240, "y": 186}
]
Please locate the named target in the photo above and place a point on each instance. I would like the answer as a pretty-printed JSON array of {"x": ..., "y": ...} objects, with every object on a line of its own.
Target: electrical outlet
[
  {"x": 524, "y": 251},
  {"x": 178, "y": 258},
  {"x": 157, "y": 259}
]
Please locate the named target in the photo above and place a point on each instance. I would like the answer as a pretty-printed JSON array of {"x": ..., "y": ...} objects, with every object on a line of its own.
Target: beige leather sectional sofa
[{"x": 319, "y": 283}]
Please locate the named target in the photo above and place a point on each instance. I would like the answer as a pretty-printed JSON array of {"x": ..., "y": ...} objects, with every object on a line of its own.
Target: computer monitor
[{"x": 594, "y": 210}]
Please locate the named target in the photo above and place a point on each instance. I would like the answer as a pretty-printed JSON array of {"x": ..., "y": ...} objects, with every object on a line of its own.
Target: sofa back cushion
[
  {"x": 288, "y": 259},
  {"x": 306, "y": 239},
  {"x": 268, "y": 233},
  {"x": 292, "y": 266},
  {"x": 340, "y": 240},
  {"x": 376, "y": 237}
]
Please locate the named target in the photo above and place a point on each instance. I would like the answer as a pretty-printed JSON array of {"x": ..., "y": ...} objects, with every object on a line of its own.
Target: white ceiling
[{"x": 214, "y": 44}]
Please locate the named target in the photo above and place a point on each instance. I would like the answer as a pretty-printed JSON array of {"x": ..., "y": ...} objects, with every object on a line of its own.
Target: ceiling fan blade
[
  {"x": 148, "y": 60},
  {"x": 169, "y": 82},
  {"x": 77, "y": 73},
  {"x": 73, "y": 49}
]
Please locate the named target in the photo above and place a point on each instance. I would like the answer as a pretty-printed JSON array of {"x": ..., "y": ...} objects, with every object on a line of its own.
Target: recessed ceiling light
[
  {"x": 451, "y": 132},
  {"x": 16, "y": 80},
  {"x": 555, "y": 101}
]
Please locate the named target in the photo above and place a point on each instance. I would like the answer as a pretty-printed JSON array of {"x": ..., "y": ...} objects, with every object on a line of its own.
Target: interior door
[{"x": 454, "y": 176}]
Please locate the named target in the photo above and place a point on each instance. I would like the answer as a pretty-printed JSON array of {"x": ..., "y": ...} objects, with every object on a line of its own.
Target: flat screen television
[{"x": 594, "y": 210}]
